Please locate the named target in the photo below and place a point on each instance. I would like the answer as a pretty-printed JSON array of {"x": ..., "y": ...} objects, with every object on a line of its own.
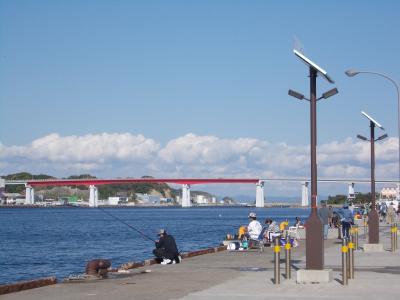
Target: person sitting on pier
[
  {"x": 272, "y": 231},
  {"x": 166, "y": 251},
  {"x": 253, "y": 229}
]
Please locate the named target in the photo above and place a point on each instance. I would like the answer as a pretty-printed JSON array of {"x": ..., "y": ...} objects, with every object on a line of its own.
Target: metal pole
[
  {"x": 373, "y": 218},
  {"x": 398, "y": 116},
  {"x": 395, "y": 236},
  {"x": 351, "y": 257},
  {"x": 392, "y": 238},
  {"x": 356, "y": 241},
  {"x": 314, "y": 230},
  {"x": 277, "y": 257},
  {"x": 344, "y": 262},
  {"x": 288, "y": 260}
]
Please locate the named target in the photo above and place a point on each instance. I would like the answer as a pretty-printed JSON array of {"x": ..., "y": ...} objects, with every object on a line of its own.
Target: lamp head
[
  {"x": 330, "y": 93},
  {"x": 362, "y": 137},
  {"x": 352, "y": 72},
  {"x": 296, "y": 94},
  {"x": 382, "y": 137}
]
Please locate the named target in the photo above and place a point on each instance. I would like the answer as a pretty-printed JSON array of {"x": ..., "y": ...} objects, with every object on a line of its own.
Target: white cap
[{"x": 252, "y": 215}]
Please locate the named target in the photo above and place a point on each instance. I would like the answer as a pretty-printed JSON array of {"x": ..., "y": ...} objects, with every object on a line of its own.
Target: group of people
[
  {"x": 255, "y": 232},
  {"x": 387, "y": 213}
]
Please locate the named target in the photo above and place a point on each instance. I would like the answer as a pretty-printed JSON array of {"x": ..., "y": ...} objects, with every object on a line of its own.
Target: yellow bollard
[
  {"x": 345, "y": 250},
  {"x": 351, "y": 245},
  {"x": 277, "y": 258},
  {"x": 393, "y": 234},
  {"x": 288, "y": 260},
  {"x": 356, "y": 240}
]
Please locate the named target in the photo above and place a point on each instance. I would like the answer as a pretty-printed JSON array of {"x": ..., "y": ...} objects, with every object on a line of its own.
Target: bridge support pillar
[
  {"x": 352, "y": 196},
  {"x": 186, "y": 195},
  {"x": 93, "y": 196},
  {"x": 304, "y": 193},
  {"x": 260, "y": 194},
  {"x": 29, "y": 195}
]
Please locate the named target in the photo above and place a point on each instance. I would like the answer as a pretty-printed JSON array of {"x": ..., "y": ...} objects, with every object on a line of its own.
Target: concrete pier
[{"x": 237, "y": 275}]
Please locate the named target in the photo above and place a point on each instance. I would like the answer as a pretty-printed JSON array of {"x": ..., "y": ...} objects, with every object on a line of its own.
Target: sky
[{"x": 195, "y": 89}]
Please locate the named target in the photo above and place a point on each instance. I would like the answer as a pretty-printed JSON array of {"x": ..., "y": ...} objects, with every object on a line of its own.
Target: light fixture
[
  {"x": 382, "y": 137},
  {"x": 351, "y": 72},
  {"x": 296, "y": 95},
  {"x": 330, "y": 93},
  {"x": 362, "y": 137}
]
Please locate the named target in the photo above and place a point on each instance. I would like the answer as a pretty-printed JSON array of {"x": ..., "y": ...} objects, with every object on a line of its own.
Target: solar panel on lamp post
[
  {"x": 352, "y": 73},
  {"x": 314, "y": 227}
]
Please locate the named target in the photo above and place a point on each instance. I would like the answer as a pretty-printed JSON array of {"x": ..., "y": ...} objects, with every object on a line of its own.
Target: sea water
[{"x": 41, "y": 242}]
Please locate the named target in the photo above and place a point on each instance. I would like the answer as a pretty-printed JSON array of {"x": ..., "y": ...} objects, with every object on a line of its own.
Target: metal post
[
  {"x": 373, "y": 218},
  {"x": 288, "y": 258},
  {"x": 365, "y": 223},
  {"x": 314, "y": 229},
  {"x": 344, "y": 262},
  {"x": 277, "y": 257},
  {"x": 392, "y": 238},
  {"x": 351, "y": 257},
  {"x": 395, "y": 236},
  {"x": 356, "y": 239}
]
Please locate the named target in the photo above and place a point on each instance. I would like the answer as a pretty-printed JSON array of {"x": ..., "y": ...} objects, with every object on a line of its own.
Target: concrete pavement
[{"x": 236, "y": 275}]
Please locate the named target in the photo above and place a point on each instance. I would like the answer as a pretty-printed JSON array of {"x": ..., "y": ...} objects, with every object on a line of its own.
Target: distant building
[
  {"x": 14, "y": 198},
  {"x": 389, "y": 193},
  {"x": 201, "y": 199},
  {"x": 117, "y": 200}
]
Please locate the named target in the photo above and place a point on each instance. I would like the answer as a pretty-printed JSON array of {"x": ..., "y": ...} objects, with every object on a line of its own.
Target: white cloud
[{"x": 115, "y": 154}]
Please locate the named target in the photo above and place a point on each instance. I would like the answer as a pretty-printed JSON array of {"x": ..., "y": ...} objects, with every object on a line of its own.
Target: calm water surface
[{"x": 40, "y": 242}]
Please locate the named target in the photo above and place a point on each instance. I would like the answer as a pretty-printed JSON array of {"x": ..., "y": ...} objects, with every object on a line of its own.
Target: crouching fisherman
[
  {"x": 98, "y": 267},
  {"x": 166, "y": 251}
]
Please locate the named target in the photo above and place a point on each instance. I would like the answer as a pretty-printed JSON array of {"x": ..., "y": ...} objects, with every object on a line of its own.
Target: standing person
[
  {"x": 166, "y": 250},
  {"x": 330, "y": 216},
  {"x": 383, "y": 211},
  {"x": 254, "y": 228},
  {"x": 323, "y": 213},
  {"x": 391, "y": 213},
  {"x": 347, "y": 219},
  {"x": 351, "y": 208}
]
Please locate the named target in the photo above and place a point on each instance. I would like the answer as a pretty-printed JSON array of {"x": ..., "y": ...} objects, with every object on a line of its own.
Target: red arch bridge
[{"x": 185, "y": 182}]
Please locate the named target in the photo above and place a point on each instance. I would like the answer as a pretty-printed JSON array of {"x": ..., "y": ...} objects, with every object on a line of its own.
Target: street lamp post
[
  {"x": 373, "y": 218},
  {"x": 314, "y": 227},
  {"x": 352, "y": 73}
]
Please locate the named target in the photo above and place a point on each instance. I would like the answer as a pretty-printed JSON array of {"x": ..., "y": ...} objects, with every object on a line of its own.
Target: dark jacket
[
  {"x": 167, "y": 242},
  {"x": 323, "y": 213}
]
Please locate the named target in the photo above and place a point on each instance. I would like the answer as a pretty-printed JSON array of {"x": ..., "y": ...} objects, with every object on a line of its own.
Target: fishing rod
[{"x": 130, "y": 226}]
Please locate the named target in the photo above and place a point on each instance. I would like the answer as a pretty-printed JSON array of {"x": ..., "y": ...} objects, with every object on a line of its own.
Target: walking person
[
  {"x": 330, "y": 216},
  {"x": 323, "y": 213},
  {"x": 347, "y": 220},
  {"x": 166, "y": 251}
]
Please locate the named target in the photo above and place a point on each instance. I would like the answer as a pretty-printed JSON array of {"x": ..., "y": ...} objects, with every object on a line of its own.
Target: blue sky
[{"x": 164, "y": 69}]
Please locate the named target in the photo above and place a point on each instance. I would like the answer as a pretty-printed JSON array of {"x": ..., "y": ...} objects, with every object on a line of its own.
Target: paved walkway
[{"x": 236, "y": 275}]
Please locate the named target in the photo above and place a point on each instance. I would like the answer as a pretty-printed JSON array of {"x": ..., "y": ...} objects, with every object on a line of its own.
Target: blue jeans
[
  {"x": 326, "y": 231},
  {"x": 345, "y": 229}
]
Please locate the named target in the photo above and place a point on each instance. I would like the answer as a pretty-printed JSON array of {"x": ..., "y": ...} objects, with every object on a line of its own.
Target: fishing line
[{"x": 130, "y": 226}]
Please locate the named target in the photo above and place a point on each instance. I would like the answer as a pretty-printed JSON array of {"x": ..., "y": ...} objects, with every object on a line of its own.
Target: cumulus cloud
[
  {"x": 86, "y": 152},
  {"x": 124, "y": 154}
]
